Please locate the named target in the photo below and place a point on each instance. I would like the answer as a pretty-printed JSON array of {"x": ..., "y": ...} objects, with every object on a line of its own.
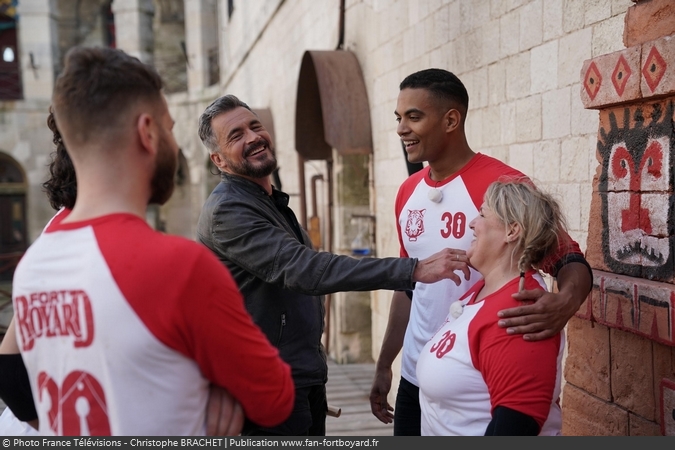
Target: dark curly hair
[{"x": 61, "y": 187}]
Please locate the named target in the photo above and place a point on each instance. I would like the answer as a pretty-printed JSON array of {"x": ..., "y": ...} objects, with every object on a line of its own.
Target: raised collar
[{"x": 280, "y": 198}]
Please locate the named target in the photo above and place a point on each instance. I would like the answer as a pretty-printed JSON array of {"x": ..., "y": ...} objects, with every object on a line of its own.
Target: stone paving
[{"x": 348, "y": 388}]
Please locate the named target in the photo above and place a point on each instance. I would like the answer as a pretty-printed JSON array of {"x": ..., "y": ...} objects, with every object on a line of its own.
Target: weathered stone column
[
  {"x": 620, "y": 370},
  {"x": 201, "y": 35},
  {"x": 38, "y": 45},
  {"x": 350, "y": 328},
  {"x": 133, "y": 27}
]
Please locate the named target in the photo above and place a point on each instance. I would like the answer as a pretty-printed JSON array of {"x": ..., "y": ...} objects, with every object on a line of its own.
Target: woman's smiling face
[{"x": 489, "y": 239}]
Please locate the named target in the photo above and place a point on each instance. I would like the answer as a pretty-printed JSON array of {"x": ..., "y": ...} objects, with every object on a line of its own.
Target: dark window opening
[
  {"x": 13, "y": 233},
  {"x": 109, "y": 25},
  {"x": 214, "y": 67},
  {"x": 10, "y": 75}
]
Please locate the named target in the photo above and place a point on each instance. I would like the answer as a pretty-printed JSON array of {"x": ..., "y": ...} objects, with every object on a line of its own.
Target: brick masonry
[
  {"x": 658, "y": 67},
  {"x": 612, "y": 78},
  {"x": 667, "y": 407},
  {"x": 640, "y": 306},
  {"x": 648, "y": 20},
  {"x": 632, "y": 373},
  {"x": 639, "y": 72},
  {"x": 637, "y": 426},
  {"x": 619, "y": 371},
  {"x": 586, "y": 415},
  {"x": 588, "y": 358}
]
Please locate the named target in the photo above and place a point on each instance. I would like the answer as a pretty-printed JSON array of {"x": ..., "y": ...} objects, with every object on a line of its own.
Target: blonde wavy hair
[{"x": 537, "y": 213}]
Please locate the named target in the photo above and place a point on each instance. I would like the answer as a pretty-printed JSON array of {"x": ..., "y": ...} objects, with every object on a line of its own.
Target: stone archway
[
  {"x": 13, "y": 230},
  {"x": 332, "y": 124}
]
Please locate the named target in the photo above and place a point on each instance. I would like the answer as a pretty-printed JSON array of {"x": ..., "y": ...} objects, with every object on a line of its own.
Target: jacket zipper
[{"x": 281, "y": 330}]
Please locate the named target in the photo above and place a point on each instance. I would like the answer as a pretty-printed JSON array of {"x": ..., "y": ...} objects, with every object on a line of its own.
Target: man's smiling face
[
  {"x": 244, "y": 145},
  {"x": 420, "y": 125}
]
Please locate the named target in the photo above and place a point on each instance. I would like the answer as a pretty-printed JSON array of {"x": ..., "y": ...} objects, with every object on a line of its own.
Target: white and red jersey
[
  {"x": 470, "y": 366},
  {"x": 425, "y": 227},
  {"x": 122, "y": 329}
]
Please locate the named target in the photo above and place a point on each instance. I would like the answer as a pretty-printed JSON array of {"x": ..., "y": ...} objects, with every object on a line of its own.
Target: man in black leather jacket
[{"x": 247, "y": 223}]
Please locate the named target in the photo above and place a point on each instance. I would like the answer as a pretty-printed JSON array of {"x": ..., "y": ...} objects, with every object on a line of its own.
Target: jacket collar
[{"x": 279, "y": 197}]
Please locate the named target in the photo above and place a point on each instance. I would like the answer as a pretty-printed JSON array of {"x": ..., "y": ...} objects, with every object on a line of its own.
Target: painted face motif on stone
[{"x": 636, "y": 187}]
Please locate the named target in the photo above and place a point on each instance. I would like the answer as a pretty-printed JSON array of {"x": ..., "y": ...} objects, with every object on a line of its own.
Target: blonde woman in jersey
[{"x": 475, "y": 379}]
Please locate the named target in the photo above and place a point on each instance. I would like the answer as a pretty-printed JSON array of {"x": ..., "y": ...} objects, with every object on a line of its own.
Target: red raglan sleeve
[
  {"x": 230, "y": 349},
  {"x": 520, "y": 375},
  {"x": 191, "y": 303},
  {"x": 568, "y": 250}
]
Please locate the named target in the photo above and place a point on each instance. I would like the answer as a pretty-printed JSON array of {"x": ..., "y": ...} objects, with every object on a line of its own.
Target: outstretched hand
[
  {"x": 443, "y": 265},
  {"x": 542, "y": 319},
  {"x": 379, "y": 405}
]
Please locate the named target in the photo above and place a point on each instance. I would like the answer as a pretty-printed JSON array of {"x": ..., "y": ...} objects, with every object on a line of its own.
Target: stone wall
[{"x": 25, "y": 137}]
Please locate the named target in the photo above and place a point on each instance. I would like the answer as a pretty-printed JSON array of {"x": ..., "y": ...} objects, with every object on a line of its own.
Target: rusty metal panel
[
  {"x": 332, "y": 108},
  {"x": 309, "y": 136}
]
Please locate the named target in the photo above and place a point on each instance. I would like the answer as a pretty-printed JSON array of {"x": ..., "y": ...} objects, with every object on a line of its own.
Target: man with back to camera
[
  {"x": 224, "y": 416},
  {"x": 434, "y": 207},
  {"x": 247, "y": 223},
  {"x": 142, "y": 322}
]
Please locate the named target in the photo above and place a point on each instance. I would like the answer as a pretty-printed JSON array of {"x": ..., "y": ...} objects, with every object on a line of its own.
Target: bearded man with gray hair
[{"x": 247, "y": 223}]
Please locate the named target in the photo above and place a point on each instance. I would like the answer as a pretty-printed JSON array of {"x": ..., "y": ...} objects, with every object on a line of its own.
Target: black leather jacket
[{"x": 280, "y": 276}]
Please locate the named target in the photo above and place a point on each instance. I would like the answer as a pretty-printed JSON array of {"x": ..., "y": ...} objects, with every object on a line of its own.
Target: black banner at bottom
[{"x": 330, "y": 442}]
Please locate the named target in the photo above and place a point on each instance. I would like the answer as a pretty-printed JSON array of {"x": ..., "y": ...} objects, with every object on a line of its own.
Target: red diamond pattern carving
[
  {"x": 654, "y": 68},
  {"x": 620, "y": 75},
  {"x": 592, "y": 80}
]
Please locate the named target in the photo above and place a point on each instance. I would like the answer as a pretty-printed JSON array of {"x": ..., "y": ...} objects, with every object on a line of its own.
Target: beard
[
  {"x": 250, "y": 169},
  {"x": 163, "y": 179}
]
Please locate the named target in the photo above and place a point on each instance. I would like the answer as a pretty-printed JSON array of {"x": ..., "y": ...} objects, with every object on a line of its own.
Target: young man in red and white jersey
[
  {"x": 433, "y": 209},
  {"x": 122, "y": 328}
]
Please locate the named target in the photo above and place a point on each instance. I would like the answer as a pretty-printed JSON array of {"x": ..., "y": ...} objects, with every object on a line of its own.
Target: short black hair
[{"x": 443, "y": 85}]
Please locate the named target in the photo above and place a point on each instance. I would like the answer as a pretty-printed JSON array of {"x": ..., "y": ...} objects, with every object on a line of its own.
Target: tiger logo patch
[{"x": 415, "y": 224}]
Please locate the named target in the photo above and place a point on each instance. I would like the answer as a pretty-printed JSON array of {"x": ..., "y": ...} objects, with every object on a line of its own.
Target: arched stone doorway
[
  {"x": 13, "y": 235},
  {"x": 332, "y": 124}
]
